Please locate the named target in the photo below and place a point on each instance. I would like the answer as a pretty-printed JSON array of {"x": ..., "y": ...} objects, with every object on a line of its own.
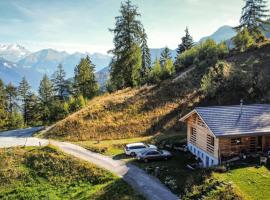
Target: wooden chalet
[{"x": 218, "y": 133}]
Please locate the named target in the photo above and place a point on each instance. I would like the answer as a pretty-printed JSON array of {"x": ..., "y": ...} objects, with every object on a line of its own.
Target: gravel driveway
[
  {"x": 21, "y": 137},
  {"x": 150, "y": 187}
]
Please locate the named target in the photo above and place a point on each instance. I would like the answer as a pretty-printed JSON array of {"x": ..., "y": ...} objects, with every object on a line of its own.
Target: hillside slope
[
  {"x": 149, "y": 110},
  {"x": 47, "y": 173}
]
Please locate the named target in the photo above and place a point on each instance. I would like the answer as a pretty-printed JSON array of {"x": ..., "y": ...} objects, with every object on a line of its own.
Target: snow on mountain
[
  {"x": 13, "y": 52},
  {"x": 46, "y": 61},
  {"x": 10, "y": 72}
]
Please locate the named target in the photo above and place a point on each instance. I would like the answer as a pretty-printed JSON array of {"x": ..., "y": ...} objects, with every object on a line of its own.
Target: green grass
[
  {"x": 173, "y": 172},
  {"x": 251, "y": 182},
  {"x": 115, "y": 147},
  {"x": 46, "y": 173}
]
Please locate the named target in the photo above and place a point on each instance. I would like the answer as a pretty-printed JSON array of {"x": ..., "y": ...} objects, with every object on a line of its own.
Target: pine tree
[
  {"x": 3, "y": 104},
  {"x": 45, "y": 90},
  {"x": 32, "y": 110},
  {"x": 146, "y": 59},
  {"x": 46, "y": 95},
  {"x": 24, "y": 92},
  {"x": 165, "y": 55},
  {"x": 167, "y": 70},
  {"x": 85, "y": 81},
  {"x": 187, "y": 42},
  {"x": 155, "y": 72},
  {"x": 14, "y": 118},
  {"x": 129, "y": 38},
  {"x": 11, "y": 94},
  {"x": 59, "y": 83},
  {"x": 254, "y": 15}
]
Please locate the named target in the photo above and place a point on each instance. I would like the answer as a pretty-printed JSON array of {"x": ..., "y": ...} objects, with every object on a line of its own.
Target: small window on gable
[{"x": 236, "y": 141}]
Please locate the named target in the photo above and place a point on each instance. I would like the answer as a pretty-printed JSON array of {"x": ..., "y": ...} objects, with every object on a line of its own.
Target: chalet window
[
  {"x": 210, "y": 143},
  {"x": 236, "y": 141},
  {"x": 193, "y": 135}
]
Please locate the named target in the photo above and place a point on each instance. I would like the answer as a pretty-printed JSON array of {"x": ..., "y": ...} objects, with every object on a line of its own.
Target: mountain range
[{"x": 16, "y": 61}]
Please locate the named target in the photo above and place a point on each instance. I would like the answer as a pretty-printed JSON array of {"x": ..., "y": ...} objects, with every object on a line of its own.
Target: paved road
[
  {"x": 21, "y": 137},
  {"x": 150, "y": 187}
]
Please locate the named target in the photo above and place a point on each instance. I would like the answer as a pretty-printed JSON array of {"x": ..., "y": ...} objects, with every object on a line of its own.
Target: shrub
[
  {"x": 243, "y": 40},
  {"x": 204, "y": 54},
  {"x": 216, "y": 78}
]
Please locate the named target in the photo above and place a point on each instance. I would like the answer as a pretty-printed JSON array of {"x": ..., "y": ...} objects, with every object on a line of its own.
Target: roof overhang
[
  {"x": 183, "y": 119},
  {"x": 250, "y": 134}
]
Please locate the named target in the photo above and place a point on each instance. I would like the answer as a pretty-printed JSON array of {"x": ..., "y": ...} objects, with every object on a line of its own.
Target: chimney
[{"x": 241, "y": 106}]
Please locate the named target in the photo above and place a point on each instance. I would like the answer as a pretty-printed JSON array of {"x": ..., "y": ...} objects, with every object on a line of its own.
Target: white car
[{"x": 134, "y": 148}]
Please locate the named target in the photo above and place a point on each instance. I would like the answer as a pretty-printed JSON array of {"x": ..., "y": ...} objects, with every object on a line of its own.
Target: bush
[
  {"x": 216, "y": 78},
  {"x": 204, "y": 54},
  {"x": 243, "y": 40},
  {"x": 75, "y": 104}
]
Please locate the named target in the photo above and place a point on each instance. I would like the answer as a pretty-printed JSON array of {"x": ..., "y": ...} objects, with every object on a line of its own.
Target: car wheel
[
  {"x": 133, "y": 154},
  {"x": 146, "y": 160}
]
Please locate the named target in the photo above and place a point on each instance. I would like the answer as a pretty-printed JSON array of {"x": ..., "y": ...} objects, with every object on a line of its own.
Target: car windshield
[{"x": 137, "y": 147}]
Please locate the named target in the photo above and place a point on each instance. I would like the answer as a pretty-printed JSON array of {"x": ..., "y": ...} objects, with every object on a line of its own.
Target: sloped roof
[{"x": 229, "y": 120}]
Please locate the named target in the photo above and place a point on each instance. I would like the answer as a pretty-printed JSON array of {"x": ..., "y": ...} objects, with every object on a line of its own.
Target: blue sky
[{"x": 82, "y": 25}]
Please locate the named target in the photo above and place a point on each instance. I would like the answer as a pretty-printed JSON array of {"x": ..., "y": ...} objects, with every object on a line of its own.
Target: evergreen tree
[
  {"x": 11, "y": 94},
  {"x": 85, "y": 81},
  {"x": 187, "y": 42},
  {"x": 15, "y": 120},
  {"x": 46, "y": 95},
  {"x": 254, "y": 15},
  {"x": 24, "y": 92},
  {"x": 59, "y": 83},
  {"x": 129, "y": 39},
  {"x": 165, "y": 55},
  {"x": 3, "y": 104},
  {"x": 243, "y": 40},
  {"x": 155, "y": 72},
  {"x": 146, "y": 59},
  {"x": 32, "y": 110},
  {"x": 167, "y": 70},
  {"x": 59, "y": 110}
]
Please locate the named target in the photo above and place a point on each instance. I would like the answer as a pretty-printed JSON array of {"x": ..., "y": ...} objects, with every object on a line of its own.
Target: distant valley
[{"x": 16, "y": 61}]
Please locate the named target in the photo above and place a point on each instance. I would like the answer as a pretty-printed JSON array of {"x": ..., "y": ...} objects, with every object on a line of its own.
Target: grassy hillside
[
  {"x": 128, "y": 113},
  {"x": 242, "y": 182},
  {"x": 46, "y": 173},
  {"x": 152, "y": 109}
]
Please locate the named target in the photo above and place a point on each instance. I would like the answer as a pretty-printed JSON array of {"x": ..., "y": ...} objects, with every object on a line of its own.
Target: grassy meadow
[
  {"x": 253, "y": 183},
  {"x": 46, "y": 173}
]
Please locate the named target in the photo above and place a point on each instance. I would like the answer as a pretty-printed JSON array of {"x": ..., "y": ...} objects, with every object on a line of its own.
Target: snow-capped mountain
[
  {"x": 46, "y": 61},
  {"x": 10, "y": 72},
  {"x": 13, "y": 52}
]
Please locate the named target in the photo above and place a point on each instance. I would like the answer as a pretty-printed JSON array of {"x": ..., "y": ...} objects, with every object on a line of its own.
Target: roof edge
[{"x": 182, "y": 119}]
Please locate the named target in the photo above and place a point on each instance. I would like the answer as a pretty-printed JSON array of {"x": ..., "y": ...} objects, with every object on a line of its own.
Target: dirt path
[
  {"x": 150, "y": 187},
  {"x": 183, "y": 74}
]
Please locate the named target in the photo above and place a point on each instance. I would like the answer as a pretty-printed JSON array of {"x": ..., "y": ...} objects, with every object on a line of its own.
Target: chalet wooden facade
[{"x": 215, "y": 134}]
